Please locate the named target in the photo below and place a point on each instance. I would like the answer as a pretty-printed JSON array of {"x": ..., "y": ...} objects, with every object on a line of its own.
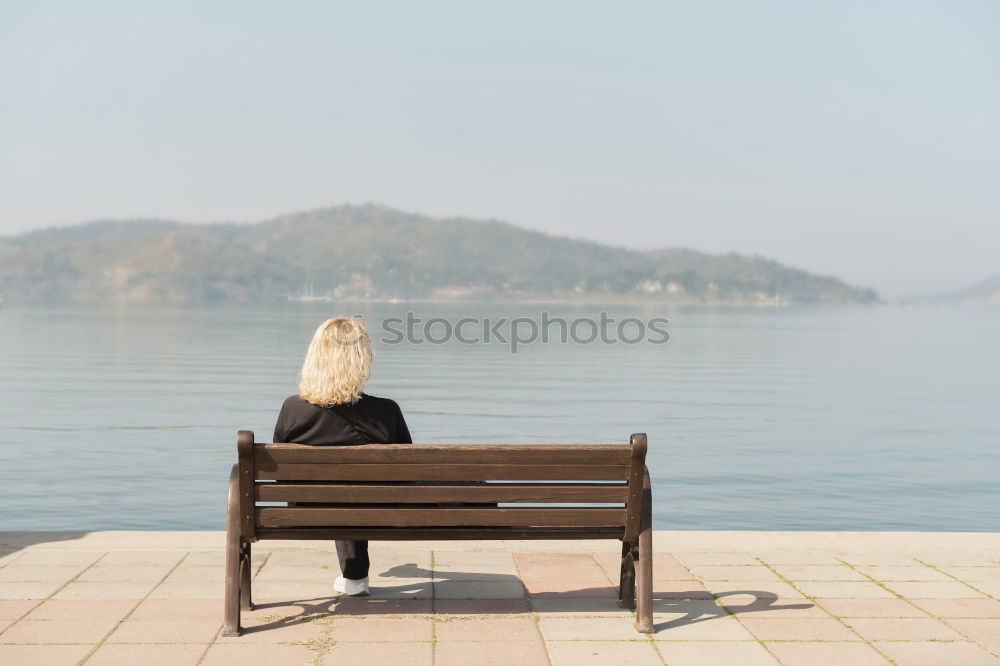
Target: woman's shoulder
[
  {"x": 296, "y": 403},
  {"x": 376, "y": 403}
]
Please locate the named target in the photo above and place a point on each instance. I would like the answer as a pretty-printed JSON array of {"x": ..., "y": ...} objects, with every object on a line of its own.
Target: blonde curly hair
[{"x": 338, "y": 363}]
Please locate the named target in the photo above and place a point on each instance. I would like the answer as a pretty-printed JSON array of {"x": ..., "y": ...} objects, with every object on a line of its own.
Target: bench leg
[
  {"x": 644, "y": 567},
  {"x": 234, "y": 551},
  {"x": 626, "y": 585},
  {"x": 246, "y": 602}
]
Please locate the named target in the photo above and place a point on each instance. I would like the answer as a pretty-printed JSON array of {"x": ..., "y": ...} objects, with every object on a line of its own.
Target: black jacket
[{"x": 370, "y": 420}]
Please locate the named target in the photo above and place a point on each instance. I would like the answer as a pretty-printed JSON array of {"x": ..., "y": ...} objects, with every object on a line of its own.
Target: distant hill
[
  {"x": 986, "y": 292},
  {"x": 376, "y": 252}
]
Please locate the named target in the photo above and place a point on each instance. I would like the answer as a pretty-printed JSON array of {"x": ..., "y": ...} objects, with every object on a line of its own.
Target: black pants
[{"x": 353, "y": 556}]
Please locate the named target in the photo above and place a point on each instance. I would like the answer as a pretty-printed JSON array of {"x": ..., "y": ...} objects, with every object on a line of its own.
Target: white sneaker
[{"x": 351, "y": 587}]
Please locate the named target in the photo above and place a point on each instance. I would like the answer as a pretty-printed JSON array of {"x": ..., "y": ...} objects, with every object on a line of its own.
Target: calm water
[{"x": 838, "y": 418}]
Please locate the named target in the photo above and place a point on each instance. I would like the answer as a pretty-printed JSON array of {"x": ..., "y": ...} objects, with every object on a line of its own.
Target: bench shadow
[
  {"x": 696, "y": 610},
  {"x": 692, "y": 610}
]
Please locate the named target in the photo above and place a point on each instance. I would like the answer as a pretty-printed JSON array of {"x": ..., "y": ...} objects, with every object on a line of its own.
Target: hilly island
[{"x": 375, "y": 252}]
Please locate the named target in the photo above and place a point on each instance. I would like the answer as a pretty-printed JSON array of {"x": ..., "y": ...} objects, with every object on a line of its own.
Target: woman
[{"x": 331, "y": 410}]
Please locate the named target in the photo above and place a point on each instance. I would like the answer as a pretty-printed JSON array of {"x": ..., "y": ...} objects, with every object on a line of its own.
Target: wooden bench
[{"x": 614, "y": 475}]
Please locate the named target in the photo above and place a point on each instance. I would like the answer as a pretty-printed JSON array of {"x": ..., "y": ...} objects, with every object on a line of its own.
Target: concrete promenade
[{"x": 741, "y": 598}]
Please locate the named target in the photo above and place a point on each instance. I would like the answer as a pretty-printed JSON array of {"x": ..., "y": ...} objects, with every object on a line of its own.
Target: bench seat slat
[
  {"x": 521, "y": 454},
  {"x": 437, "y": 472},
  {"x": 437, "y": 533},
  {"x": 439, "y": 517},
  {"x": 492, "y": 492}
]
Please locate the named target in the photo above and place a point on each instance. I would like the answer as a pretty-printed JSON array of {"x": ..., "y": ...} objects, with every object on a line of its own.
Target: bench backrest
[{"x": 440, "y": 491}]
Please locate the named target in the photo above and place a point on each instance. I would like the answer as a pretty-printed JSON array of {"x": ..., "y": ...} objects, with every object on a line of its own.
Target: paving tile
[
  {"x": 91, "y": 609},
  {"x": 184, "y": 589},
  {"x": 733, "y": 572},
  {"x": 198, "y": 575},
  {"x": 978, "y": 629},
  {"x": 567, "y": 567},
  {"x": 270, "y": 572},
  {"x": 40, "y": 574},
  {"x": 681, "y": 589},
  {"x": 371, "y": 606},
  {"x": 844, "y": 590},
  {"x": 893, "y": 607},
  {"x": 820, "y": 573},
  {"x": 800, "y": 558},
  {"x": 174, "y": 630},
  {"x": 13, "y": 609},
  {"x": 147, "y": 655},
  {"x": 45, "y": 557},
  {"x": 487, "y": 629},
  {"x": 714, "y": 629},
  {"x": 563, "y": 574},
  {"x": 369, "y": 629},
  {"x": 879, "y": 559},
  {"x": 973, "y": 608},
  {"x": 902, "y": 629},
  {"x": 132, "y": 590},
  {"x": 659, "y": 573},
  {"x": 700, "y": 653},
  {"x": 413, "y": 588},
  {"x": 950, "y": 590},
  {"x": 419, "y": 576},
  {"x": 579, "y": 606},
  {"x": 143, "y": 558},
  {"x": 798, "y": 629},
  {"x": 27, "y": 590},
  {"x": 989, "y": 587},
  {"x": 504, "y": 575},
  {"x": 973, "y": 574},
  {"x": 269, "y": 630},
  {"x": 690, "y": 559},
  {"x": 500, "y": 566},
  {"x": 665, "y": 567},
  {"x": 461, "y": 559},
  {"x": 230, "y": 654},
  {"x": 568, "y": 587},
  {"x": 43, "y": 655},
  {"x": 478, "y": 590},
  {"x": 759, "y": 588},
  {"x": 957, "y": 558},
  {"x": 287, "y": 612},
  {"x": 480, "y": 606},
  {"x": 208, "y": 558},
  {"x": 304, "y": 560},
  {"x": 771, "y": 608},
  {"x": 124, "y": 574},
  {"x": 58, "y": 631},
  {"x": 167, "y": 609},
  {"x": 379, "y": 653},
  {"x": 918, "y": 573},
  {"x": 792, "y": 653},
  {"x": 908, "y": 653},
  {"x": 492, "y": 653},
  {"x": 551, "y": 560},
  {"x": 264, "y": 591},
  {"x": 588, "y": 629},
  {"x": 692, "y": 608},
  {"x": 602, "y": 653},
  {"x": 383, "y": 557}
]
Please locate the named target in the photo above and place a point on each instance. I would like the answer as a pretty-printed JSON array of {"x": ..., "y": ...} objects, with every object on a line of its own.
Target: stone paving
[{"x": 720, "y": 598}]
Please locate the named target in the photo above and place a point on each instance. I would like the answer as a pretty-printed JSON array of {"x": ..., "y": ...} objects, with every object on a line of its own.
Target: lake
[{"x": 819, "y": 418}]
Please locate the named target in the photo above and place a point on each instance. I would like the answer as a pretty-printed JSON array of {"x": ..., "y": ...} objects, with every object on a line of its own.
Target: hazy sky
[{"x": 856, "y": 138}]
